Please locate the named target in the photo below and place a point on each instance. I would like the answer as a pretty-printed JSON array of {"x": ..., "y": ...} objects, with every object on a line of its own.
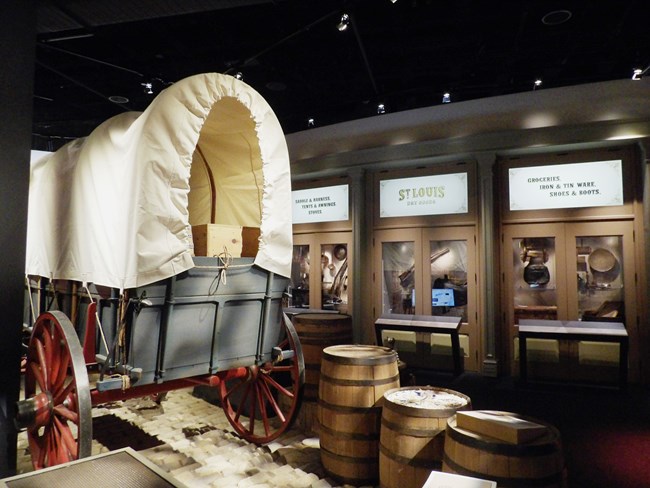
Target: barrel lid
[
  {"x": 425, "y": 401},
  {"x": 359, "y": 354}
]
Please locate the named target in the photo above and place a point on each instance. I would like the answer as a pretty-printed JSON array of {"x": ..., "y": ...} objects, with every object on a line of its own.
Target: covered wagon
[{"x": 122, "y": 302}]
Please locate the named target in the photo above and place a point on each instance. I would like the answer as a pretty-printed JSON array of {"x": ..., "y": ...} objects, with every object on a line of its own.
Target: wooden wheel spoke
[
  {"x": 66, "y": 413},
  {"x": 48, "y": 346},
  {"x": 262, "y": 405},
  {"x": 240, "y": 407},
  {"x": 271, "y": 399},
  {"x": 57, "y": 355},
  {"x": 65, "y": 395},
  {"x": 268, "y": 379},
  {"x": 42, "y": 360},
  {"x": 59, "y": 379},
  {"x": 67, "y": 439},
  {"x": 39, "y": 446},
  {"x": 36, "y": 372},
  {"x": 282, "y": 368},
  {"x": 232, "y": 390}
]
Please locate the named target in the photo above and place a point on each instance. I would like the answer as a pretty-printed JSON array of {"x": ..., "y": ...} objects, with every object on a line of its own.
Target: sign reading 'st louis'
[
  {"x": 596, "y": 184},
  {"x": 423, "y": 195}
]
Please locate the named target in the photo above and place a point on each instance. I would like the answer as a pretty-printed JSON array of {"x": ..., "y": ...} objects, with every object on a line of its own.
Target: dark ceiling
[{"x": 404, "y": 54}]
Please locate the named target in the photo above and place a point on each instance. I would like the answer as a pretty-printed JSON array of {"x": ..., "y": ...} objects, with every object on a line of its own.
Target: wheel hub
[{"x": 34, "y": 412}]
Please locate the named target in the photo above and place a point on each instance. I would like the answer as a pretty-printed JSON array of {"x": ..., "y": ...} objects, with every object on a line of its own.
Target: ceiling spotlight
[
  {"x": 637, "y": 73},
  {"x": 239, "y": 76},
  {"x": 344, "y": 23},
  {"x": 119, "y": 99},
  {"x": 393, "y": 1},
  {"x": 381, "y": 108},
  {"x": 148, "y": 88},
  {"x": 446, "y": 97},
  {"x": 556, "y": 17},
  {"x": 310, "y": 122},
  {"x": 537, "y": 84}
]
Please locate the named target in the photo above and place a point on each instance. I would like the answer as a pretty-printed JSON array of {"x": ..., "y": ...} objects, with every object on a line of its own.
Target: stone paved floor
[{"x": 197, "y": 446}]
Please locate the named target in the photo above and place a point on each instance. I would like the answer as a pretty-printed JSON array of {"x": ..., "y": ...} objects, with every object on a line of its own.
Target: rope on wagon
[{"x": 225, "y": 258}]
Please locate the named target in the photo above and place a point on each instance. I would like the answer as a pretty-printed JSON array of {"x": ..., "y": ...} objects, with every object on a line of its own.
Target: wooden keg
[
  {"x": 538, "y": 463},
  {"x": 353, "y": 381},
  {"x": 317, "y": 331},
  {"x": 412, "y": 438}
]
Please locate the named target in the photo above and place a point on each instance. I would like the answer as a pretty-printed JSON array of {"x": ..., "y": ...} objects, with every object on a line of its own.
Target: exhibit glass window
[
  {"x": 398, "y": 277},
  {"x": 334, "y": 276},
  {"x": 535, "y": 290},
  {"x": 300, "y": 267},
  {"x": 448, "y": 278},
  {"x": 599, "y": 264}
]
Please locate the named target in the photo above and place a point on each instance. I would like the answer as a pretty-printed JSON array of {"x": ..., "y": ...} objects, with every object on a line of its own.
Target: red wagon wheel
[
  {"x": 57, "y": 406},
  {"x": 261, "y": 404}
]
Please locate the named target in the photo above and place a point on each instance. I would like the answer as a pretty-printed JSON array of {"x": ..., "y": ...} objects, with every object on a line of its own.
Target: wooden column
[{"x": 17, "y": 44}]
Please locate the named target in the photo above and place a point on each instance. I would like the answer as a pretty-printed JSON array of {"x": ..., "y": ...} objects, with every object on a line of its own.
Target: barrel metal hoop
[
  {"x": 430, "y": 464},
  {"x": 350, "y": 435},
  {"x": 371, "y": 382},
  {"x": 516, "y": 450},
  {"x": 349, "y": 409},
  {"x": 441, "y": 413},
  {"x": 400, "y": 429},
  {"x": 553, "y": 479},
  {"x": 349, "y": 459},
  {"x": 388, "y": 358}
]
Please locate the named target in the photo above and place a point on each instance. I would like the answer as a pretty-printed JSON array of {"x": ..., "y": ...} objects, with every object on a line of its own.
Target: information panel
[
  {"x": 423, "y": 195},
  {"x": 597, "y": 184},
  {"x": 324, "y": 204}
]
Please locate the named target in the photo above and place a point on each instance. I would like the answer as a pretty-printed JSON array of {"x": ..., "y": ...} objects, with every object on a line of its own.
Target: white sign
[
  {"x": 575, "y": 185},
  {"x": 325, "y": 204},
  {"x": 423, "y": 195}
]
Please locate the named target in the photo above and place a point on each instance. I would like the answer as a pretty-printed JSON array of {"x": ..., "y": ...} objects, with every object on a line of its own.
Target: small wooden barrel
[
  {"x": 538, "y": 463},
  {"x": 412, "y": 439},
  {"x": 353, "y": 381},
  {"x": 317, "y": 331}
]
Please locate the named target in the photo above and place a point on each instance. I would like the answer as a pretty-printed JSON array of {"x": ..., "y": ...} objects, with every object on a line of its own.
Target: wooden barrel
[
  {"x": 412, "y": 438},
  {"x": 538, "y": 463},
  {"x": 317, "y": 331},
  {"x": 353, "y": 381}
]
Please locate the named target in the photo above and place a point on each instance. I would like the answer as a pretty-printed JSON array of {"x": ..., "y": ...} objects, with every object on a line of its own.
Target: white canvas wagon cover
[{"x": 115, "y": 208}]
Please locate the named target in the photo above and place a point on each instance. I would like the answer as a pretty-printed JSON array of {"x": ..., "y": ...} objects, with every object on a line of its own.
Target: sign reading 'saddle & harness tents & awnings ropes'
[
  {"x": 594, "y": 184},
  {"x": 423, "y": 195},
  {"x": 324, "y": 204}
]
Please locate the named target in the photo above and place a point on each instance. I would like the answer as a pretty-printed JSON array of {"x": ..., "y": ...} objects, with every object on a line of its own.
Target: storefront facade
[{"x": 440, "y": 223}]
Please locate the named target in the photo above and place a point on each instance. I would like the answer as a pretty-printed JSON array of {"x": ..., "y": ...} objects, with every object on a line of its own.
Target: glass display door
[
  {"x": 449, "y": 265},
  {"x": 428, "y": 272},
  {"x": 320, "y": 271},
  {"x": 572, "y": 271}
]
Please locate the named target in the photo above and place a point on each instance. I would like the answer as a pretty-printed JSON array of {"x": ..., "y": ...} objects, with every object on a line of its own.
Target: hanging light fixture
[
  {"x": 310, "y": 122},
  {"x": 344, "y": 23},
  {"x": 637, "y": 74},
  {"x": 537, "y": 84}
]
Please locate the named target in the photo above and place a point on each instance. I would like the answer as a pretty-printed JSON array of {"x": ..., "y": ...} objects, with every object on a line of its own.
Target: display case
[
  {"x": 429, "y": 272},
  {"x": 320, "y": 271}
]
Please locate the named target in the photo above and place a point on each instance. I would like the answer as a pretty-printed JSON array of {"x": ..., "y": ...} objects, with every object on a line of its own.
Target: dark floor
[{"x": 605, "y": 432}]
